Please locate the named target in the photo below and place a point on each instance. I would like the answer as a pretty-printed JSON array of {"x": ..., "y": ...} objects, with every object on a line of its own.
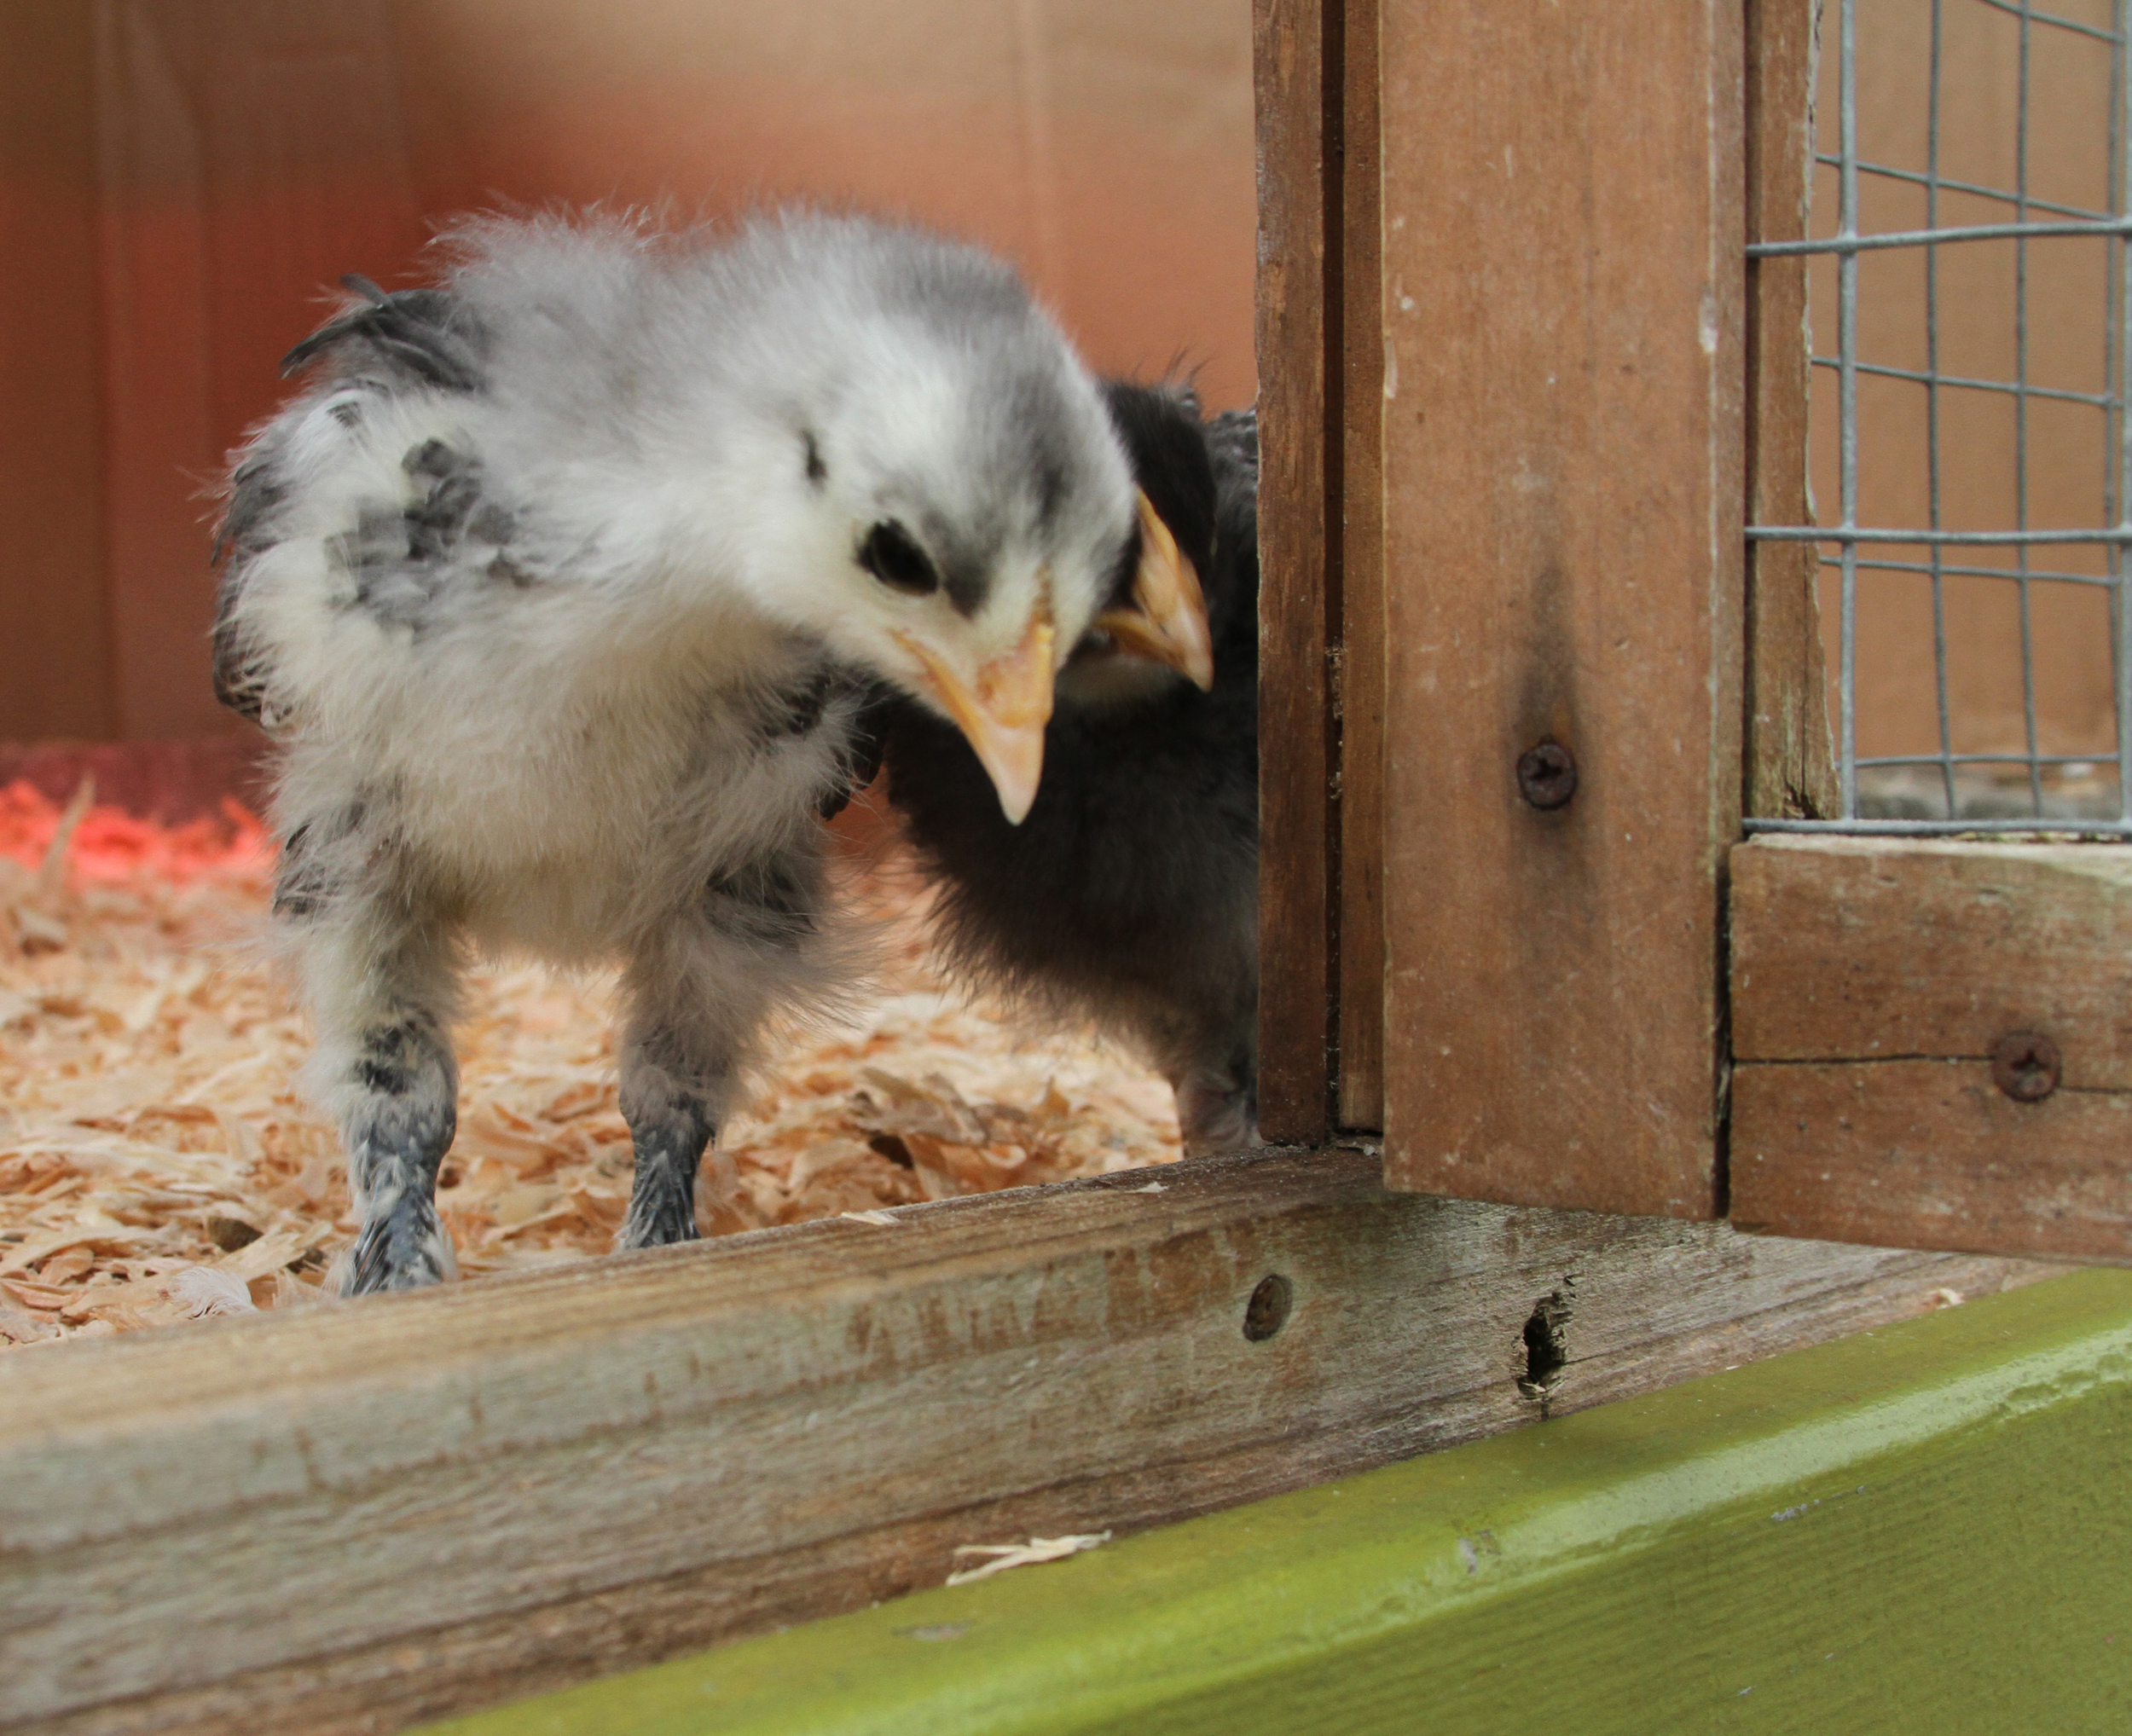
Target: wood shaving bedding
[{"x": 157, "y": 1163}]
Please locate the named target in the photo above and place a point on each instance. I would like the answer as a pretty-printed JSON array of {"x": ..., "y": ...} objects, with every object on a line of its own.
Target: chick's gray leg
[
  {"x": 667, "y": 1099},
  {"x": 698, "y": 994},
  {"x": 396, "y": 1139},
  {"x": 379, "y": 988}
]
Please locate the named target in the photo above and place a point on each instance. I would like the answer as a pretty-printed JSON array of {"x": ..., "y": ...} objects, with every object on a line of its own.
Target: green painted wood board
[{"x": 1925, "y": 1527}]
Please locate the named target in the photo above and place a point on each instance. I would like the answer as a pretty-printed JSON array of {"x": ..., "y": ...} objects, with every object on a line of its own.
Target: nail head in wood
[
  {"x": 2026, "y": 1067},
  {"x": 1547, "y": 776}
]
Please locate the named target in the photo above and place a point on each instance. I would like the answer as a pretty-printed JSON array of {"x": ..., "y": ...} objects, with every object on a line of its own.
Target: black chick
[{"x": 1129, "y": 895}]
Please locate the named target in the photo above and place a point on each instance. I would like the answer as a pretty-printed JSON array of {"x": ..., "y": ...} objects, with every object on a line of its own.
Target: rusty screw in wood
[
  {"x": 1266, "y": 1312},
  {"x": 1547, "y": 775},
  {"x": 2026, "y": 1067}
]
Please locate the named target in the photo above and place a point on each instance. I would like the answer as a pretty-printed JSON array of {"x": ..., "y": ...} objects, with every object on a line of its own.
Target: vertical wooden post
[
  {"x": 1791, "y": 767},
  {"x": 1361, "y": 693},
  {"x": 1297, "y": 105},
  {"x": 56, "y": 664},
  {"x": 1321, "y": 361},
  {"x": 1563, "y": 455}
]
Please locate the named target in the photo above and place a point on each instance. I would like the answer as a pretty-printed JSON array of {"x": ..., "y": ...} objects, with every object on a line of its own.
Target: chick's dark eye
[{"x": 892, "y": 556}]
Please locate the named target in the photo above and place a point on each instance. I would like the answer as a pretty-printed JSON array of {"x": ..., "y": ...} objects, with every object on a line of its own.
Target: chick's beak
[
  {"x": 1003, "y": 713},
  {"x": 1168, "y": 621}
]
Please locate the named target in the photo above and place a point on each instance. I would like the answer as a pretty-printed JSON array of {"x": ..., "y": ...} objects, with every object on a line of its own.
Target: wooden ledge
[
  {"x": 1920, "y": 1529},
  {"x": 349, "y": 1519},
  {"x": 1874, "y": 982}
]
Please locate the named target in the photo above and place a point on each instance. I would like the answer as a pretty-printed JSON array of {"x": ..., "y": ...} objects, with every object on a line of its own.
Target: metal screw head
[
  {"x": 1547, "y": 775},
  {"x": 2026, "y": 1066}
]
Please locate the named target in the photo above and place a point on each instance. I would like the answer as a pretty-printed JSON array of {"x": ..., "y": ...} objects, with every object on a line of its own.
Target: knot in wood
[
  {"x": 1547, "y": 775},
  {"x": 2026, "y": 1067}
]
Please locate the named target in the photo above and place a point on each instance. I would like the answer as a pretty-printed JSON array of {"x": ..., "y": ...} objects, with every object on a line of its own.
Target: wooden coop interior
[
  {"x": 193, "y": 180},
  {"x": 1583, "y": 1076}
]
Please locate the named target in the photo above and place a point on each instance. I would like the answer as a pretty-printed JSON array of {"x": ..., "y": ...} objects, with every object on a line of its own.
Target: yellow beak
[
  {"x": 1002, "y": 716},
  {"x": 1168, "y": 621}
]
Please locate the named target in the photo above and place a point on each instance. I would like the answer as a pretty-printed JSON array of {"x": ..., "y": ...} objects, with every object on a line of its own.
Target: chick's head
[{"x": 943, "y": 500}]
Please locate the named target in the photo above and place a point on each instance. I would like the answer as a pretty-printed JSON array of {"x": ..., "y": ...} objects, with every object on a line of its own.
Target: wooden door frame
[{"x": 1430, "y": 968}]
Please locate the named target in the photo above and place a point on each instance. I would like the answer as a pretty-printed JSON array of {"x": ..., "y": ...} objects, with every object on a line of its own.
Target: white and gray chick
[{"x": 563, "y": 590}]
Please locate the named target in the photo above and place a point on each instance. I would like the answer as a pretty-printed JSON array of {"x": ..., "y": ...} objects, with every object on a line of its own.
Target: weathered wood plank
[
  {"x": 1931, "y": 1154},
  {"x": 1921, "y": 1532},
  {"x": 1791, "y": 767},
  {"x": 1298, "y": 758},
  {"x": 1874, "y": 980},
  {"x": 1361, "y": 711},
  {"x": 361, "y": 1516},
  {"x": 1865, "y": 949},
  {"x": 1563, "y": 547}
]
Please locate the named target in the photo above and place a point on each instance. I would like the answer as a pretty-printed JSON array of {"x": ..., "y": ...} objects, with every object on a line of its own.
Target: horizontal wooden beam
[
  {"x": 347, "y": 1519},
  {"x": 1886, "y": 998},
  {"x": 1917, "y": 1530},
  {"x": 1931, "y": 1154},
  {"x": 170, "y": 781},
  {"x": 1870, "y": 949}
]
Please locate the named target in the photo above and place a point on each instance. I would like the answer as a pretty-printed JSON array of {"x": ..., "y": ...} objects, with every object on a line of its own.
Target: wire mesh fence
[{"x": 1971, "y": 331}]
